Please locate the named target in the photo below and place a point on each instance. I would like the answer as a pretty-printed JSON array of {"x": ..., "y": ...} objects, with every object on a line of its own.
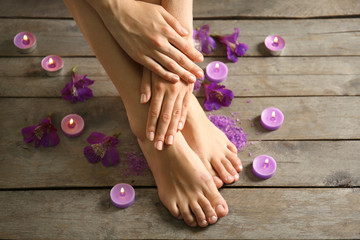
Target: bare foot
[
  {"x": 185, "y": 186},
  {"x": 212, "y": 146}
]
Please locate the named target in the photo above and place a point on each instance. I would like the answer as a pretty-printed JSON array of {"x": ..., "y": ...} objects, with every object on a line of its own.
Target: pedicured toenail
[
  {"x": 219, "y": 208},
  {"x": 203, "y": 223},
  {"x": 236, "y": 176},
  {"x": 159, "y": 145},
  {"x": 230, "y": 178},
  {"x": 151, "y": 136},
  {"x": 213, "y": 219},
  {"x": 193, "y": 224},
  {"x": 240, "y": 167}
]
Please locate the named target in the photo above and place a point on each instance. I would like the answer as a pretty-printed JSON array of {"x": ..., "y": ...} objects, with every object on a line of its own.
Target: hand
[
  {"x": 168, "y": 107},
  {"x": 152, "y": 37}
]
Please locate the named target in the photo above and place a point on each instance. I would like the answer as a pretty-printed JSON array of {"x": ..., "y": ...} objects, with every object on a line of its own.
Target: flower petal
[
  {"x": 90, "y": 155},
  {"x": 84, "y": 93},
  {"x": 96, "y": 137},
  {"x": 28, "y": 133},
  {"x": 111, "y": 157}
]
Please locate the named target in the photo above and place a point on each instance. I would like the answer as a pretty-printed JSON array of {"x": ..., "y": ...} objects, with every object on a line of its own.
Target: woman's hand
[
  {"x": 152, "y": 37},
  {"x": 168, "y": 107}
]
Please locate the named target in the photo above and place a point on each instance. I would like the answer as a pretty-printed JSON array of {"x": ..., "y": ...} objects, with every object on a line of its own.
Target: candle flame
[
  {"x": 51, "y": 61},
  {"x": 71, "y": 121},
  {"x": 25, "y": 38},
  {"x": 122, "y": 190},
  {"x": 273, "y": 114},
  {"x": 276, "y": 39},
  {"x": 217, "y": 66},
  {"x": 266, "y": 162}
]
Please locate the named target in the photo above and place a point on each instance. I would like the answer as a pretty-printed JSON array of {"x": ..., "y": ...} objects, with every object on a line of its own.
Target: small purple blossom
[
  {"x": 77, "y": 89},
  {"x": 42, "y": 134},
  {"x": 202, "y": 39},
  {"x": 197, "y": 84},
  {"x": 233, "y": 47},
  {"x": 217, "y": 96},
  {"x": 102, "y": 148}
]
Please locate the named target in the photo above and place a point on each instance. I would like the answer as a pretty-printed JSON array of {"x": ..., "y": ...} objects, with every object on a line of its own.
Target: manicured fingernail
[
  {"x": 175, "y": 78},
  {"x": 192, "y": 78},
  {"x": 180, "y": 125},
  {"x": 200, "y": 58},
  {"x": 151, "y": 136},
  {"x": 213, "y": 219},
  {"x": 200, "y": 74},
  {"x": 184, "y": 31},
  {"x": 143, "y": 98},
  {"x": 236, "y": 176},
  {"x": 159, "y": 145},
  {"x": 240, "y": 167},
  {"x": 203, "y": 223},
  {"x": 170, "y": 139}
]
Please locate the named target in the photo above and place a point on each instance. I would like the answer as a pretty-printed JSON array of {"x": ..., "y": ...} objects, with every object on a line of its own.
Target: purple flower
[
  {"x": 102, "y": 148},
  {"x": 202, "y": 40},
  {"x": 197, "y": 84},
  {"x": 234, "y": 48},
  {"x": 77, "y": 89},
  {"x": 42, "y": 134},
  {"x": 217, "y": 96}
]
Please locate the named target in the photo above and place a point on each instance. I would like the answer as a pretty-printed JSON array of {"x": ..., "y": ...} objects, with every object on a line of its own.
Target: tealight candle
[
  {"x": 264, "y": 166},
  {"x": 122, "y": 195},
  {"x": 216, "y": 71},
  {"x": 52, "y": 65},
  {"x": 275, "y": 44},
  {"x": 272, "y": 118},
  {"x": 25, "y": 42},
  {"x": 72, "y": 125}
]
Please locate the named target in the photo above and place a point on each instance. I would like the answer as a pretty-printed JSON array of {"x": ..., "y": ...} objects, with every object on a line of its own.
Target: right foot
[{"x": 184, "y": 185}]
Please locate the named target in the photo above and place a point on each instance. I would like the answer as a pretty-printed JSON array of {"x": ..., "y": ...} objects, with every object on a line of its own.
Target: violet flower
[
  {"x": 102, "y": 148},
  {"x": 234, "y": 48},
  {"x": 203, "y": 41},
  {"x": 42, "y": 134},
  {"x": 77, "y": 89},
  {"x": 217, "y": 96},
  {"x": 197, "y": 84}
]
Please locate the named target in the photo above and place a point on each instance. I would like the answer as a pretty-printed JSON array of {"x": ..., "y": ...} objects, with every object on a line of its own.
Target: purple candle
[
  {"x": 272, "y": 118},
  {"x": 216, "y": 71},
  {"x": 25, "y": 42},
  {"x": 52, "y": 65},
  {"x": 72, "y": 125},
  {"x": 275, "y": 44},
  {"x": 264, "y": 166},
  {"x": 122, "y": 195}
]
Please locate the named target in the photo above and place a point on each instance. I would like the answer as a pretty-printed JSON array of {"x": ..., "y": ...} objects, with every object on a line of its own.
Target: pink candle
[
  {"x": 122, "y": 195},
  {"x": 25, "y": 42},
  {"x": 264, "y": 166},
  {"x": 72, "y": 125},
  {"x": 272, "y": 118},
  {"x": 52, "y": 65},
  {"x": 275, "y": 44},
  {"x": 216, "y": 71}
]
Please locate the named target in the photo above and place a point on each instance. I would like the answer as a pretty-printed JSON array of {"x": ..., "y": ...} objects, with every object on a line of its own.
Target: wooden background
[{"x": 54, "y": 193}]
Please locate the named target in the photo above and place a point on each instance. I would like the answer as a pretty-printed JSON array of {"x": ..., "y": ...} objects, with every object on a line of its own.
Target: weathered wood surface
[
  {"x": 254, "y": 214},
  {"x": 205, "y": 8},
  {"x": 323, "y": 37},
  {"x": 291, "y": 76}
]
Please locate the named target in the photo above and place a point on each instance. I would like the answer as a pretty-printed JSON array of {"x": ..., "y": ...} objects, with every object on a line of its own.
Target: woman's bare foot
[
  {"x": 212, "y": 146},
  {"x": 185, "y": 186}
]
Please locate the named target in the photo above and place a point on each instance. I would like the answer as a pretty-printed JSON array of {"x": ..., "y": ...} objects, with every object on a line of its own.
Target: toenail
[
  {"x": 193, "y": 224},
  {"x": 170, "y": 139},
  {"x": 213, "y": 219},
  {"x": 236, "y": 176},
  {"x": 230, "y": 178},
  {"x": 203, "y": 223},
  {"x": 159, "y": 145},
  {"x": 151, "y": 136},
  {"x": 240, "y": 167},
  {"x": 220, "y": 208}
]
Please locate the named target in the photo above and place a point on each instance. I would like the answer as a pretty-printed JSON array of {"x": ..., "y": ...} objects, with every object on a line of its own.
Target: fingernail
[
  {"x": 200, "y": 58},
  {"x": 236, "y": 176},
  {"x": 180, "y": 125},
  {"x": 192, "y": 78},
  {"x": 203, "y": 223},
  {"x": 175, "y": 78},
  {"x": 240, "y": 167},
  {"x": 170, "y": 139},
  {"x": 159, "y": 145},
  {"x": 200, "y": 74},
  {"x": 143, "y": 98},
  {"x": 151, "y": 136},
  {"x": 213, "y": 219},
  {"x": 184, "y": 31}
]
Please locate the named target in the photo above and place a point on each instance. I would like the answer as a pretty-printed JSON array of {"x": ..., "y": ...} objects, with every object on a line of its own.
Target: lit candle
[
  {"x": 72, "y": 125},
  {"x": 25, "y": 42},
  {"x": 122, "y": 195},
  {"x": 216, "y": 71},
  {"x": 264, "y": 166},
  {"x": 275, "y": 44},
  {"x": 52, "y": 65},
  {"x": 272, "y": 118}
]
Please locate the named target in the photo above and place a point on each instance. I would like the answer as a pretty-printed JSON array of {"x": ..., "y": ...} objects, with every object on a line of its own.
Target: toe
[
  {"x": 221, "y": 210},
  {"x": 230, "y": 168},
  {"x": 235, "y": 161},
  {"x": 218, "y": 181},
  {"x": 187, "y": 215},
  {"x": 232, "y": 147},
  {"x": 224, "y": 175},
  {"x": 208, "y": 210},
  {"x": 217, "y": 202},
  {"x": 199, "y": 214}
]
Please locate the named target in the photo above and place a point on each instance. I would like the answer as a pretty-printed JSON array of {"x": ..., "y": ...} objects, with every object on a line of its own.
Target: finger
[
  {"x": 174, "y": 123},
  {"x": 186, "y": 47},
  {"x": 174, "y": 23},
  {"x": 164, "y": 120},
  {"x": 174, "y": 67},
  {"x": 154, "y": 111},
  {"x": 156, "y": 68},
  {"x": 145, "y": 86},
  {"x": 184, "y": 110}
]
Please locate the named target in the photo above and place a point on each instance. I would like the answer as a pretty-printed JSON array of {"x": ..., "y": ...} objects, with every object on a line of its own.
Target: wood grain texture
[
  {"x": 291, "y": 76},
  {"x": 321, "y": 37},
  {"x": 205, "y": 8},
  {"x": 254, "y": 213}
]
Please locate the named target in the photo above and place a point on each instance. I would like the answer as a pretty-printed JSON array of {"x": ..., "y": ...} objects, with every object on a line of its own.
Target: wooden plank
[
  {"x": 291, "y": 76},
  {"x": 66, "y": 166},
  {"x": 254, "y": 214},
  {"x": 205, "y": 8},
  {"x": 321, "y": 37}
]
